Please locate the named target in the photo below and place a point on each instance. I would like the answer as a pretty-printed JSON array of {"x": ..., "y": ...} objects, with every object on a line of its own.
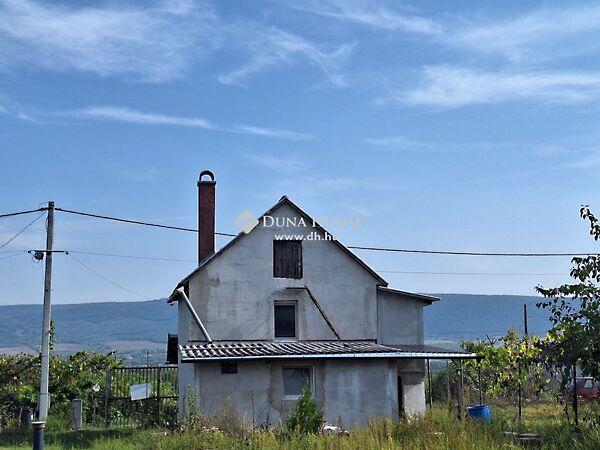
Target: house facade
[{"x": 282, "y": 306}]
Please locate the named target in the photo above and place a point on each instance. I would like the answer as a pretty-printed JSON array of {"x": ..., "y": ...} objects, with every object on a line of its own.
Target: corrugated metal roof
[
  {"x": 241, "y": 350},
  {"x": 426, "y": 298}
]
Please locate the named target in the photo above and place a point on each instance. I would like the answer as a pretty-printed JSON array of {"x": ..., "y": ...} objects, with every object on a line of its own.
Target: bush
[{"x": 308, "y": 415}]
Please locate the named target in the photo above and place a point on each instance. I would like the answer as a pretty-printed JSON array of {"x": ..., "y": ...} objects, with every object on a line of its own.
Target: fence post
[
  {"x": 106, "y": 394},
  {"x": 158, "y": 396}
]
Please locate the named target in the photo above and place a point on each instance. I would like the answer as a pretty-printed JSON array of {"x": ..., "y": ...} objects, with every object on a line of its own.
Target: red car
[{"x": 587, "y": 388}]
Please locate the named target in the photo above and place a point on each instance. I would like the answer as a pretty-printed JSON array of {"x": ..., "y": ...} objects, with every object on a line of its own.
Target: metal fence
[{"x": 141, "y": 396}]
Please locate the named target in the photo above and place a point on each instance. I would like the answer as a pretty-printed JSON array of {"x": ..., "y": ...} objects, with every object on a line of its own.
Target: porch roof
[{"x": 252, "y": 350}]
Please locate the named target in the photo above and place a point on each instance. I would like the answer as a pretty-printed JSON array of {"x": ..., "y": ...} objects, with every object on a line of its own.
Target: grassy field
[{"x": 438, "y": 430}]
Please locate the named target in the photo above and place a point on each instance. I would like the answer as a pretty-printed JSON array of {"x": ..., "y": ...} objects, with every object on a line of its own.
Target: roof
[
  {"x": 262, "y": 350},
  {"x": 282, "y": 201},
  {"x": 426, "y": 298}
]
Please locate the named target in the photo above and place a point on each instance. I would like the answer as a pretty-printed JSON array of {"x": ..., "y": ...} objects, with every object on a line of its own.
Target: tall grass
[{"x": 437, "y": 430}]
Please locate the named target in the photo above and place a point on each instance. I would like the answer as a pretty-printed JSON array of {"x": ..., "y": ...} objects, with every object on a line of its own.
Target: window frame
[
  {"x": 277, "y": 242},
  {"x": 311, "y": 379},
  {"x": 293, "y": 303}
]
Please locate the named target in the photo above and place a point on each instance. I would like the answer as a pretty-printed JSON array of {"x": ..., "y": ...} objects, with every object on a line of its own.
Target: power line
[
  {"x": 136, "y": 222},
  {"x": 455, "y": 253},
  {"x": 118, "y": 255},
  {"x": 78, "y": 261},
  {"x": 21, "y": 212},
  {"x": 353, "y": 247},
  {"x": 410, "y": 272},
  {"x": 22, "y": 230},
  {"x": 11, "y": 256},
  {"x": 469, "y": 273}
]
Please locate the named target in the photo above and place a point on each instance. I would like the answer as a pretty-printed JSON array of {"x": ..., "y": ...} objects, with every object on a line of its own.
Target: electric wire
[
  {"x": 353, "y": 247},
  {"x": 156, "y": 258},
  {"x": 135, "y": 222},
  {"x": 118, "y": 255},
  {"x": 22, "y": 230},
  {"x": 81, "y": 263},
  {"x": 11, "y": 256},
  {"x": 456, "y": 253},
  {"x": 470, "y": 273},
  {"x": 2, "y": 216}
]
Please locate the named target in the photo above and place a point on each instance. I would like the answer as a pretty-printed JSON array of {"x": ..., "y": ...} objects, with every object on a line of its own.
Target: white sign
[{"x": 141, "y": 391}]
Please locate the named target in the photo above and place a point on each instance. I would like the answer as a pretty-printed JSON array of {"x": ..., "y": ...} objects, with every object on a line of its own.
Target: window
[
  {"x": 285, "y": 320},
  {"x": 294, "y": 380},
  {"x": 287, "y": 259},
  {"x": 228, "y": 368}
]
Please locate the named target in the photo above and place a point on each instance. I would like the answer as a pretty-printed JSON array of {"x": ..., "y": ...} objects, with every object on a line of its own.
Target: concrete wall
[
  {"x": 399, "y": 319},
  {"x": 234, "y": 297},
  {"x": 234, "y": 294},
  {"x": 412, "y": 372},
  {"x": 350, "y": 391}
]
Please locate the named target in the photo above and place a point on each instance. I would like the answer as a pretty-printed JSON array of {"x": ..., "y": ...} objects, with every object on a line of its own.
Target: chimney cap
[{"x": 210, "y": 174}]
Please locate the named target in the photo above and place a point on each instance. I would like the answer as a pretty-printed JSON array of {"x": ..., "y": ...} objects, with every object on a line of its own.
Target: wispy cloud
[
  {"x": 119, "y": 114},
  {"x": 370, "y": 13},
  {"x": 272, "y": 133},
  {"x": 154, "y": 43},
  {"x": 11, "y": 109},
  {"x": 272, "y": 47},
  {"x": 542, "y": 34},
  {"x": 400, "y": 143},
  {"x": 126, "y": 115},
  {"x": 445, "y": 86}
]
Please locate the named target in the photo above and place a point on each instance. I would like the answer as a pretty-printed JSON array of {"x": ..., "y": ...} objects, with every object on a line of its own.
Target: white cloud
[
  {"x": 155, "y": 43},
  {"x": 370, "y": 13},
  {"x": 272, "y": 47},
  {"x": 542, "y": 34},
  {"x": 13, "y": 110},
  {"x": 272, "y": 133},
  {"x": 400, "y": 143},
  {"x": 126, "y": 115},
  {"x": 447, "y": 86}
]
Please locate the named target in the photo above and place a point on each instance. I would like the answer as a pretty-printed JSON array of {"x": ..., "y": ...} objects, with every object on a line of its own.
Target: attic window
[{"x": 287, "y": 259}]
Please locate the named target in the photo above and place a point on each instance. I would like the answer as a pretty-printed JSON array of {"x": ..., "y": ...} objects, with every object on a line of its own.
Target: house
[{"x": 284, "y": 305}]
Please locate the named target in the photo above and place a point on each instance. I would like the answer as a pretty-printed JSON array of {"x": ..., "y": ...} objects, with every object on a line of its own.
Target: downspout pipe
[{"x": 178, "y": 294}]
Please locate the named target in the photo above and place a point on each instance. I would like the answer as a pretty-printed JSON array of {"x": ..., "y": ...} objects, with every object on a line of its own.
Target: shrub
[{"x": 308, "y": 415}]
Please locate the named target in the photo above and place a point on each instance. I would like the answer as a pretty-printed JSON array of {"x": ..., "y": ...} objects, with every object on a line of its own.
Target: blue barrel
[{"x": 480, "y": 412}]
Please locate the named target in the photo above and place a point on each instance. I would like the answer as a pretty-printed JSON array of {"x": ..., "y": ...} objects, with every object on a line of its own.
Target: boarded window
[
  {"x": 287, "y": 259},
  {"x": 285, "y": 320},
  {"x": 294, "y": 380}
]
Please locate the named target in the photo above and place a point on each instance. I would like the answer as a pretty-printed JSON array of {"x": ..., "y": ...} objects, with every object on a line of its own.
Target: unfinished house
[{"x": 264, "y": 316}]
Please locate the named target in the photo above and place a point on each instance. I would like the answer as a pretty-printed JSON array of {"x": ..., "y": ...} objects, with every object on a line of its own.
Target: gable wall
[
  {"x": 234, "y": 294},
  {"x": 400, "y": 319}
]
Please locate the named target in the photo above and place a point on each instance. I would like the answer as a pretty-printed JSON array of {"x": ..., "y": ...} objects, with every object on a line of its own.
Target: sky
[{"x": 468, "y": 126}]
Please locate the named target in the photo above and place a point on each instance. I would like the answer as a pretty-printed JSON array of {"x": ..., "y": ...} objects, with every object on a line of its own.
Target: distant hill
[
  {"x": 462, "y": 316},
  {"x": 134, "y": 327},
  {"x": 131, "y": 328}
]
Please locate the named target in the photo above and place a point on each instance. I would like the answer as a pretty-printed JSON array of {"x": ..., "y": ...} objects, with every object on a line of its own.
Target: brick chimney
[{"x": 206, "y": 215}]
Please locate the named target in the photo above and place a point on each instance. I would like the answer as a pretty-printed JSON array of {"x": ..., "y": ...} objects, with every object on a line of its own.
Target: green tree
[
  {"x": 308, "y": 415},
  {"x": 506, "y": 363},
  {"x": 575, "y": 308}
]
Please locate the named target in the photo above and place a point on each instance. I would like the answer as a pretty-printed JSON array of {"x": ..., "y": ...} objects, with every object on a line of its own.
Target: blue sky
[{"x": 470, "y": 126}]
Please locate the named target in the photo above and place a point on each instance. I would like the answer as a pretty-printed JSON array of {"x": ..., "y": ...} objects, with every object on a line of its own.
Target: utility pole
[
  {"x": 43, "y": 401},
  {"x": 520, "y": 369},
  {"x": 525, "y": 321}
]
